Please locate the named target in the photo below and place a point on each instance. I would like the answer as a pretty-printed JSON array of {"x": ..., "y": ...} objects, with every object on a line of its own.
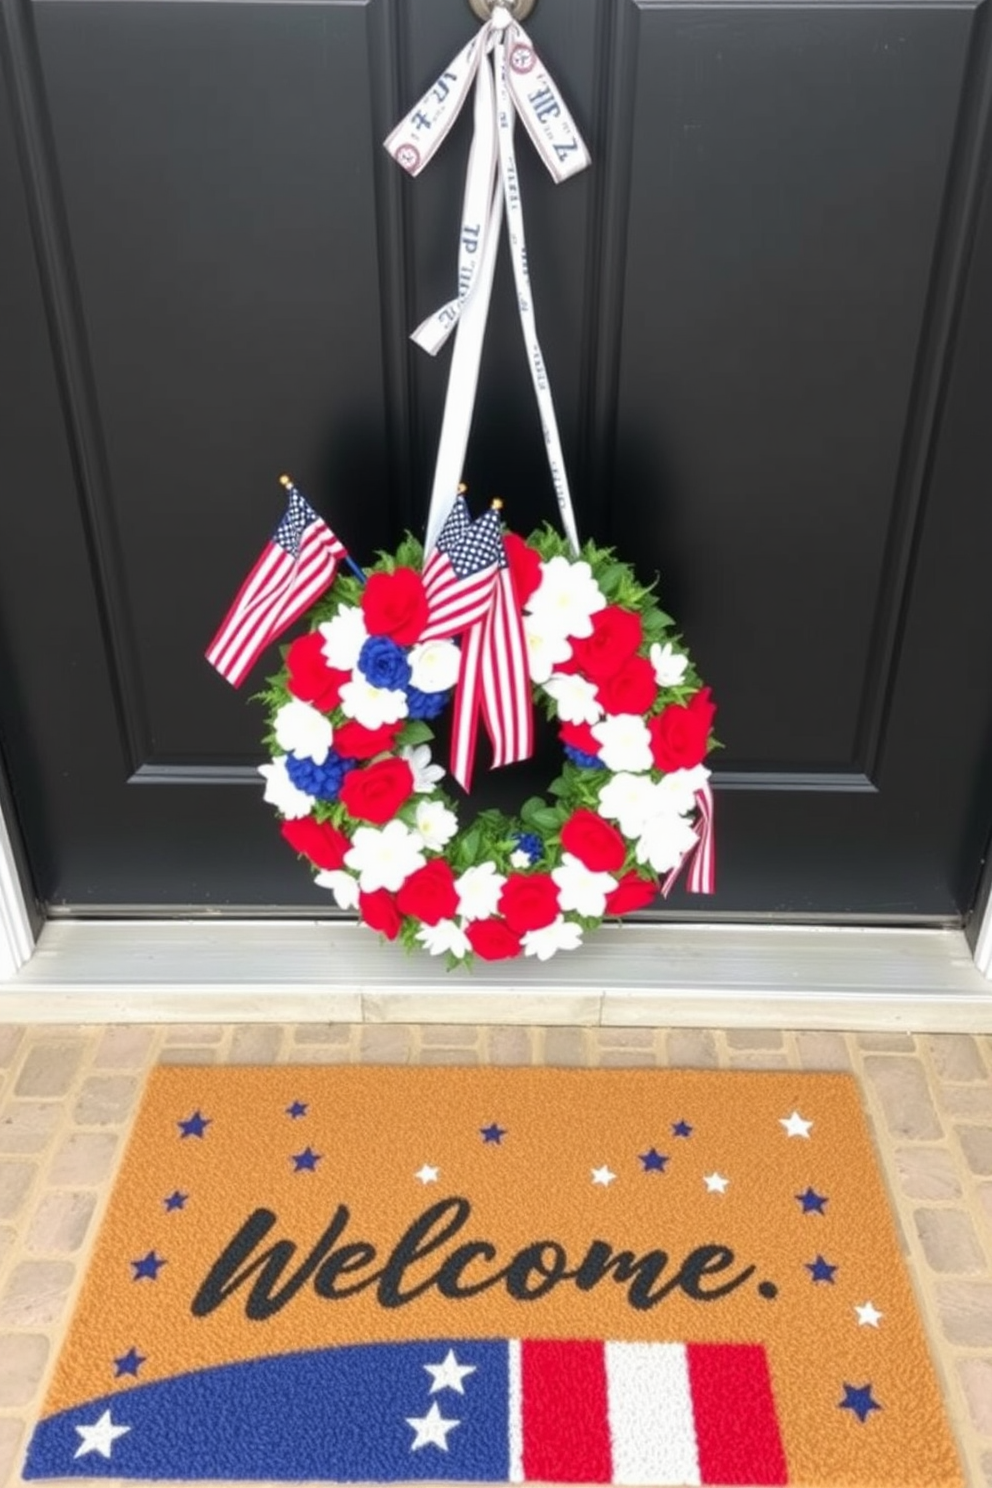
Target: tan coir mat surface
[{"x": 373, "y": 1274}]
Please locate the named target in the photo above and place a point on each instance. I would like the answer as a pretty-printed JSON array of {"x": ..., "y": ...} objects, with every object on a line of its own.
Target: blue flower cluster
[
  {"x": 384, "y": 664},
  {"x": 323, "y": 781},
  {"x": 587, "y": 761},
  {"x": 531, "y": 844}
]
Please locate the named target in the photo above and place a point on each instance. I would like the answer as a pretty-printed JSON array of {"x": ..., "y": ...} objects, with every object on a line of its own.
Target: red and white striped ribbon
[
  {"x": 494, "y": 681},
  {"x": 702, "y": 856}
]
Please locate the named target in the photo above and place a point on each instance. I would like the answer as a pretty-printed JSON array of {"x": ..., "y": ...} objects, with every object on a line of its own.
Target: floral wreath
[{"x": 352, "y": 776}]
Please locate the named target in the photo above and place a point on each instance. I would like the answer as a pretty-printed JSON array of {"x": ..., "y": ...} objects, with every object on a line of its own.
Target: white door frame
[{"x": 680, "y": 975}]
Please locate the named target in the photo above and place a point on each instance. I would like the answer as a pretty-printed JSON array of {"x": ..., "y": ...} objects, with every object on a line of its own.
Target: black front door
[{"x": 767, "y": 313}]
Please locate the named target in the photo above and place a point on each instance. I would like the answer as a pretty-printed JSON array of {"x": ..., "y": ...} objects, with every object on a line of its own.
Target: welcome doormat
[{"x": 366, "y": 1274}]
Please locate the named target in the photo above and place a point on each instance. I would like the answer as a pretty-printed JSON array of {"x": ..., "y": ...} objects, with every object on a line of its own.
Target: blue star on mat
[
  {"x": 306, "y": 1161},
  {"x": 681, "y": 1129},
  {"x": 494, "y": 1133},
  {"x": 820, "y": 1270},
  {"x": 148, "y": 1267},
  {"x": 298, "y": 1108},
  {"x": 654, "y": 1161},
  {"x": 193, "y": 1126},
  {"x": 858, "y": 1398},
  {"x": 811, "y": 1201},
  {"x": 129, "y": 1363},
  {"x": 176, "y": 1200}
]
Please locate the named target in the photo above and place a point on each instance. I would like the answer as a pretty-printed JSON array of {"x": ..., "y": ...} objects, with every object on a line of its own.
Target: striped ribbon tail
[
  {"x": 494, "y": 681},
  {"x": 702, "y": 857}
]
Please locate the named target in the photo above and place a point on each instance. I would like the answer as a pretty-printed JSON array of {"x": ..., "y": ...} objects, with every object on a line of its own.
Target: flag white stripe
[
  {"x": 260, "y": 621},
  {"x": 247, "y": 618},
  {"x": 274, "y": 565},
  {"x": 649, "y": 1401},
  {"x": 466, "y": 708},
  {"x": 306, "y": 577},
  {"x": 516, "y": 1423}
]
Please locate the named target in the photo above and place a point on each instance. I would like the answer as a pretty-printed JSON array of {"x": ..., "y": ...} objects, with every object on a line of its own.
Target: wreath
[{"x": 362, "y": 801}]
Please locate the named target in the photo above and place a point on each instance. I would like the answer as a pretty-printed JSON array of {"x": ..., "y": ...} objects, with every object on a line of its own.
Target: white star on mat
[
  {"x": 794, "y": 1125},
  {"x": 431, "y": 1430},
  {"x": 99, "y": 1437},
  {"x": 448, "y": 1375},
  {"x": 602, "y": 1175},
  {"x": 427, "y": 1174},
  {"x": 868, "y": 1314},
  {"x": 715, "y": 1183}
]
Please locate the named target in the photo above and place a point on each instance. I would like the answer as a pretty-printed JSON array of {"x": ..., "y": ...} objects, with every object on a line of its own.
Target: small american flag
[
  {"x": 470, "y": 593},
  {"x": 460, "y": 573},
  {"x": 295, "y": 567}
]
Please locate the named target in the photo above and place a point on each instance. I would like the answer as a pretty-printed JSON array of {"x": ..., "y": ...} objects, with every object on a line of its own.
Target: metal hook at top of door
[{"x": 519, "y": 9}]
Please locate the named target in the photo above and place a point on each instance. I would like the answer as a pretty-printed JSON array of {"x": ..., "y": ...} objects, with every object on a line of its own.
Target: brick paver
[{"x": 67, "y": 1097}]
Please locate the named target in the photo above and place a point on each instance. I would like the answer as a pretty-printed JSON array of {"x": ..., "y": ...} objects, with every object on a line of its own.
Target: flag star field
[{"x": 387, "y": 1275}]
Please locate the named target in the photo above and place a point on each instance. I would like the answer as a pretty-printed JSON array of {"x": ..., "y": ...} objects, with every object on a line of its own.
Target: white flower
[
  {"x": 576, "y": 698},
  {"x": 425, "y": 775},
  {"x": 624, "y": 741},
  {"x": 677, "y": 791},
  {"x": 302, "y": 731},
  {"x": 629, "y": 800},
  {"x": 581, "y": 889},
  {"x": 435, "y": 825},
  {"x": 384, "y": 857},
  {"x": 545, "y": 648},
  {"x": 560, "y": 935},
  {"x": 442, "y": 937},
  {"x": 280, "y": 791},
  {"x": 566, "y": 598},
  {"x": 519, "y": 858},
  {"x": 664, "y": 842},
  {"x": 344, "y": 637},
  {"x": 342, "y": 885},
  {"x": 434, "y": 665},
  {"x": 478, "y": 891},
  {"x": 372, "y": 706},
  {"x": 669, "y": 666}
]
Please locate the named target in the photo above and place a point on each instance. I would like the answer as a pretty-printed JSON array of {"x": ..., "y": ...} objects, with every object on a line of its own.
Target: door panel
[{"x": 762, "y": 314}]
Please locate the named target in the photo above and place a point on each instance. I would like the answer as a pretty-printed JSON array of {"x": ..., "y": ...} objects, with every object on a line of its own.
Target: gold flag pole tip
[
  {"x": 496, "y": 504},
  {"x": 285, "y": 480}
]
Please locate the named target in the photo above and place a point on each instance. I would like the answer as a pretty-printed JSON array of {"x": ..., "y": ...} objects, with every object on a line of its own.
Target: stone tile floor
[{"x": 67, "y": 1095}]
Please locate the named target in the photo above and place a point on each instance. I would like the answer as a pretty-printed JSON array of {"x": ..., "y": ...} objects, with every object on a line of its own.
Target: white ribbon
[{"x": 515, "y": 82}]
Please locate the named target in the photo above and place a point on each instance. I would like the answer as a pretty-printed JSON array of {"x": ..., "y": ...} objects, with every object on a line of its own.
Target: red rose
[
  {"x": 632, "y": 689},
  {"x": 395, "y": 605},
  {"x": 593, "y": 841},
  {"x": 529, "y": 901},
  {"x": 310, "y": 678},
  {"x": 376, "y": 793},
  {"x": 632, "y": 892},
  {"x": 579, "y": 736},
  {"x": 525, "y": 566},
  {"x": 680, "y": 732},
  {"x": 616, "y": 635},
  {"x": 429, "y": 894},
  {"x": 379, "y": 912},
  {"x": 493, "y": 940},
  {"x": 321, "y": 842},
  {"x": 355, "y": 741}
]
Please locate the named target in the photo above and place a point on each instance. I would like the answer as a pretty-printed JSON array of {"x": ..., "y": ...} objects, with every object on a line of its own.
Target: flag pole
[{"x": 290, "y": 485}]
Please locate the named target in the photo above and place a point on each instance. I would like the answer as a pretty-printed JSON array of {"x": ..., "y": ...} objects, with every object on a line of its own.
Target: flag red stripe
[
  {"x": 283, "y": 593},
  {"x": 737, "y": 1433},
  {"x": 261, "y": 623},
  {"x": 465, "y": 724},
  {"x": 264, "y": 577},
  {"x": 566, "y": 1435}
]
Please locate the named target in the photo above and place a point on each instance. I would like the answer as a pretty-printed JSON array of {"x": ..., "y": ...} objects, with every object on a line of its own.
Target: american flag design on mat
[{"x": 474, "y": 1410}]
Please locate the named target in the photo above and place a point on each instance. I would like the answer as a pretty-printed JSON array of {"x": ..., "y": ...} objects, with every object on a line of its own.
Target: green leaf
[{"x": 416, "y": 732}]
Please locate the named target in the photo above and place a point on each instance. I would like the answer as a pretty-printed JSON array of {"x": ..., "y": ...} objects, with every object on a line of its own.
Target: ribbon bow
[{"x": 510, "y": 80}]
